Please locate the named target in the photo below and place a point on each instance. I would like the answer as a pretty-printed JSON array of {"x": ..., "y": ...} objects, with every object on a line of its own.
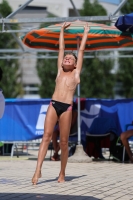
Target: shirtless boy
[{"x": 60, "y": 108}]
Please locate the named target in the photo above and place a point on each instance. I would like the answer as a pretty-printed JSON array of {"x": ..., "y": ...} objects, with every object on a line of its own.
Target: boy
[{"x": 60, "y": 108}]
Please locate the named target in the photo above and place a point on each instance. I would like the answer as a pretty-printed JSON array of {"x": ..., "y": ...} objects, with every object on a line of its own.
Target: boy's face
[{"x": 69, "y": 61}]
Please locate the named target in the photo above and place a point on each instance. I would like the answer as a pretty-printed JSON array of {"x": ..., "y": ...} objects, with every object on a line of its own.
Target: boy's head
[
  {"x": 69, "y": 61},
  {"x": 1, "y": 72},
  {"x": 71, "y": 53}
]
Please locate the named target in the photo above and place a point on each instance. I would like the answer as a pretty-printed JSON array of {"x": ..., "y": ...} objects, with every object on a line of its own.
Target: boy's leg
[
  {"x": 64, "y": 123},
  {"x": 50, "y": 121},
  {"x": 56, "y": 146},
  {"x": 124, "y": 138}
]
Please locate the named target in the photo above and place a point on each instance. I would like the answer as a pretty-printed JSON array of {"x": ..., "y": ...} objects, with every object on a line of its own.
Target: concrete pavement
[{"x": 104, "y": 180}]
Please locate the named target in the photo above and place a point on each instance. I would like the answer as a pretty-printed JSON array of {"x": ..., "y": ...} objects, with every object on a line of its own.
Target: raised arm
[
  {"x": 82, "y": 47},
  {"x": 61, "y": 44}
]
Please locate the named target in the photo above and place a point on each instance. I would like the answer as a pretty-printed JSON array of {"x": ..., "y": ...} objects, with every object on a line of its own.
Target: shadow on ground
[
  {"x": 67, "y": 178},
  {"x": 38, "y": 196}
]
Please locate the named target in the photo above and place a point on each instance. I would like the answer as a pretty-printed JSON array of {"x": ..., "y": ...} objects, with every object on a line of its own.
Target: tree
[
  {"x": 95, "y": 81},
  {"x": 128, "y": 7},
  {"x": 92, "y": 9},
  {"x": 47, "y": 71},
  {"x": 125, "y": 76},
  {"x": 125, "y": 71},
  {"x": 96, "y": 78},
  {"x": 10, "y": 83}
]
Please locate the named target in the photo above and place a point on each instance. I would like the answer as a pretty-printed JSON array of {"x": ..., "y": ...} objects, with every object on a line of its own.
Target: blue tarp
[
  {"x": 24, "y": 119},
  {"x": 125, "y": 23},
  {"x": 103, "y": 125}
]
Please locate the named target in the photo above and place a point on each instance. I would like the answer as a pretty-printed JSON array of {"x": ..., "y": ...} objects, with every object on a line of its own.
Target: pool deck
[{"x": 97, "y": 180}]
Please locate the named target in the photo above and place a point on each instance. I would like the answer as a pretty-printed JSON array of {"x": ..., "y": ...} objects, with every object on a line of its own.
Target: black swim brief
[{"x": 60, "y": 107}]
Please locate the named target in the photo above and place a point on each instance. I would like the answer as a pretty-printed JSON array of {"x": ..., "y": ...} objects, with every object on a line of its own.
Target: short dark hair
[
  {"x": 1, "y": 72},
  {"x": 73, "y": 54}
]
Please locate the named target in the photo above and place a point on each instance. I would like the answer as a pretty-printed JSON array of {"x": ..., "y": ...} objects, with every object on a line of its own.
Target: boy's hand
[
  {"x": 86, "y": 28},
  {"x": 65, "y": 25}
]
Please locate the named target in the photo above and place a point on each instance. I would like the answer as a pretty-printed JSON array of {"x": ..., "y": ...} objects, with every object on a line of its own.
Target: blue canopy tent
[{"x": 125, "y": 23}]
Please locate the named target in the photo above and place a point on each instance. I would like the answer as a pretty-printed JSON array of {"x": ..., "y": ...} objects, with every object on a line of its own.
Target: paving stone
[{"x": 90, "y": 181}]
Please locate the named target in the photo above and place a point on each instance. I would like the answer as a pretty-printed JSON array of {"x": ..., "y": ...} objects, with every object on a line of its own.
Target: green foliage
[
  {"x": 125, "y": 76},
  {"x": 47, "y": 70},
  {"x": 10, "y": 80},
  {"x": 128, "y": 7},
  {"x": 92, "y": 9},
  {"x": 96, "y": 79},
  {"x": 125, "y": 71},
  {"x": 10, "y": 83},
  {"x": 5, "y": 9}
]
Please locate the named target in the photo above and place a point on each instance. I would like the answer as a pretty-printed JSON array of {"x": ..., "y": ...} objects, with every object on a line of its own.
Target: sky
[{"x": 112, "y": 1}]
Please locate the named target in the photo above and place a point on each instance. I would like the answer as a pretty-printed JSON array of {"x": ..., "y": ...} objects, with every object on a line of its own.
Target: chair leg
[
  {"x": 123, "y": 158},
  {"x": 27, "y": 148},
  {"x": 17, "y": 150},
  {"x": 12, "y": 151}
]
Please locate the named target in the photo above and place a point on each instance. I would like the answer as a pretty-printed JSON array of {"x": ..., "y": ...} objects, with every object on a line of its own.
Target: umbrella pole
[
  {"x": 79, "y": 155},
  {"x": 79, "y": 128},
  {"x": 78, "y": 94}
]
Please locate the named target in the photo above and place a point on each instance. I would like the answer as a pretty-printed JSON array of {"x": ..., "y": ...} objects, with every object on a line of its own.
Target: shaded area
[
  {"x": 36, "y": 196},
  {"x": 67, "y": 178}
]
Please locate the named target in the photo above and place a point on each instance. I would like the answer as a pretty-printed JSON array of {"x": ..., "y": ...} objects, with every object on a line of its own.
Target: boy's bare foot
[
  {"x": 36, "y": 176},
  {"x": 61, "y": 178}
]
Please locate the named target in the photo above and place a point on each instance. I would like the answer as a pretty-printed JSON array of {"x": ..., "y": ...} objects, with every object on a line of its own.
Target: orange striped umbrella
[{"x": 100, "y": 36}]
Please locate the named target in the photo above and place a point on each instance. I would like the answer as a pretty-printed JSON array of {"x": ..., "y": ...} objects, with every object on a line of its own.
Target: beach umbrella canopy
[
  {"x": 100, "y": 36},
  {"x": 125, "y": 23}
]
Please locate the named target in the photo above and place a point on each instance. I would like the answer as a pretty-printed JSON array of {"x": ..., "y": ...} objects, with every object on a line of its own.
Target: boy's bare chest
[{"x": 66, "y": 80}]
